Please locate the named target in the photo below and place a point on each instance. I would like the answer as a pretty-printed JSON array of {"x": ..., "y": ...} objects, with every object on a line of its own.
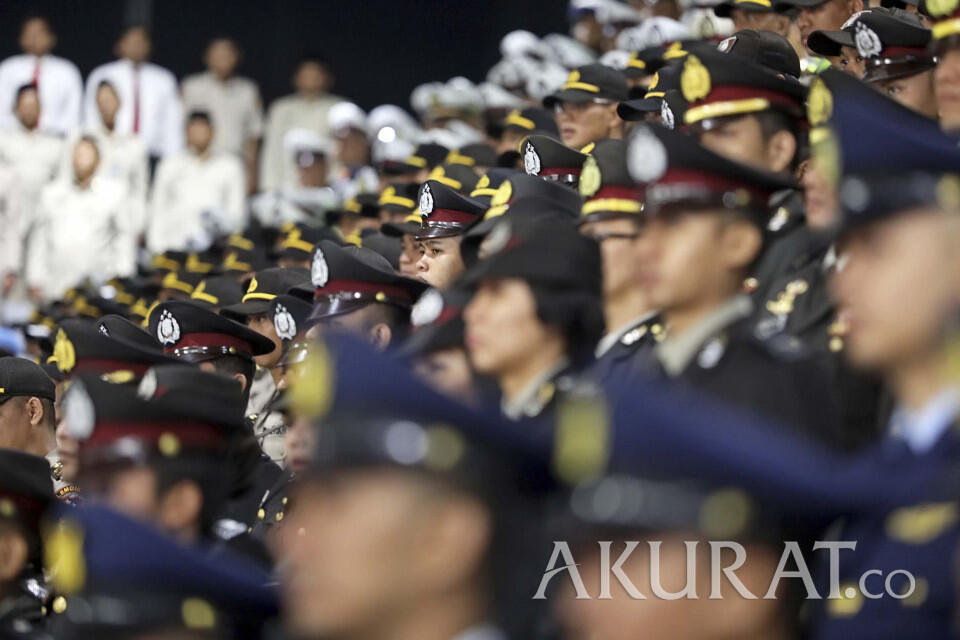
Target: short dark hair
[
  {"x": 773, "y": 121},
  {"x": 49, "y": 413},
  {"x": 133, "y": 26},
  {"x": 232, "y": 365},
  {"x": 106, "y": 84},
  {"x": 21, "y": 90},
  {"x": 30, "y": 17},
  {"x": 576, "y": 313},
  {"x": 200, "y": 114}
]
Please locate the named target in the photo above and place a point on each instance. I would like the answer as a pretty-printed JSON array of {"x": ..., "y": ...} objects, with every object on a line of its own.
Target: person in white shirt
[
  {"x": 149, "y": 100},
  {"x": 123, "y": 157},
  {"x": 233, "y": 102},
  {"x": 11, "y": 231},
  {"x": 34, "y": 155},
  {"x": 305, "y": 109},
  {"x": 82, "y": 230},
  {"x": 197, "y": 195},
  {"x": 57, "y": 79}
]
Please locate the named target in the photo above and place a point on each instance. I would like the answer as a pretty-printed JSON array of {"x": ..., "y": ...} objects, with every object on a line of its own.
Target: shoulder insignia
[
  {"x": 784, "y": 302},
  {"x": 711, "y": 353}
]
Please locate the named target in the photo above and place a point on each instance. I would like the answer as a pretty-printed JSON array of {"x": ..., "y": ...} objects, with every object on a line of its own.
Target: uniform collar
[
  {"x": 922, "y": 429},
  {"x": 535, "y": 396},
  {"x": 676, "y": 352},
  {"x": 609, "y": 340}
]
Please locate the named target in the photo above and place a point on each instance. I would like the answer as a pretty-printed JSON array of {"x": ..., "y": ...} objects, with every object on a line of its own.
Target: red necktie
[
  {"x": 136, "y": 99},
  {"x": 36, "y": 75}
]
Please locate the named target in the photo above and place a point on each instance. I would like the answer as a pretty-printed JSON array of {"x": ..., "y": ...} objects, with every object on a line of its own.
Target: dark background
[{"x": 379, "y": 50}]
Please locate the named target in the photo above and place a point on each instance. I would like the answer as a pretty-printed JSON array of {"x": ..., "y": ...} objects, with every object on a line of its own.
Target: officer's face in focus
[
  {"x": 263, "y": 324},
  {"x": 692, "y": 259},
  {"x": 134, "y": 45},
  {"x": 199, "y": 135},
  {"x": 361, "y": 546},
  {"x": 440, "y": 263},
  {"x": 448, "y": 371},
  {"x": 581, "y": 123},
  {"x": 409, "y": 257},
  {"x": 36, "y": 37},
  {"x": 760, "y": 21},
  {"x": 28, "y": 108},
  {"x": 914, "y": 92},
  {"x": 619, "y": 246},
  {"x": 311, "y": 78},
  {"x": 946, "y": 82},
  {"x": 222, "y": 57},
  {"x": 849, "y": 61},
  {"x": 826, "y": 16},
  {"x": 619, "y": 617},
  {"x": 86, "y": 157},
  {"x": 108, "y": 103},
  {"x": 908, "y": 262},
  {"x": 503, "y": 331},
  {"x": 742, "y": 139}
]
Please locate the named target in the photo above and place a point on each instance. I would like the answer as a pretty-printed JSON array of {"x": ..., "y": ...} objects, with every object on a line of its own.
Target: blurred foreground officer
[
  {"x": 173, "y": 451},
  {"x": 198, "y": 194},
  {"x": 83, "y": 229},
  {"x": 536, "y": 311},
  {"x": 149, "y": 101},
  {"x": 125, "y": 580},
  {"x": 612, "y": 217},
  {"x": 232, "y": 101},
  {"x": 946, "y": 78},
  {"x": 900, "y": 249},
  {"x": 57, "y": 80},
  {"x": 446, "y": 215},
  {"x": 586, "y": 106},
  {"x": 402, "y": 527},
  {"x": 356, "y": 291},
  {"x": 25, "y": 494},
  {"x": 706, "y": 216},
  {"x": 630, "y": 509},
  {"x": 435, "y": 346}
]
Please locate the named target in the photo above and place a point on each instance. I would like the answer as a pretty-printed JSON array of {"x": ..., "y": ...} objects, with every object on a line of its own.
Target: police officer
[
  {"x": 25, "y": 495},
  {"x": 611, "y": 215},
  {"x": 536, "y": 310},
  {"x": 437, "y": 528},
  {"x": 705, "y": 223},
  {"x": 358, "y": 292},
  {"x": 125, "y": 579},
  {"x": 548, "y": 158},
  {"x": 586, "y": 106},
  {"x": 445, "y": 214},
  {"x": 894, "y": 46},
  {"x": 908, "y": 205},
  {"x": 27, "y": 395}
]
